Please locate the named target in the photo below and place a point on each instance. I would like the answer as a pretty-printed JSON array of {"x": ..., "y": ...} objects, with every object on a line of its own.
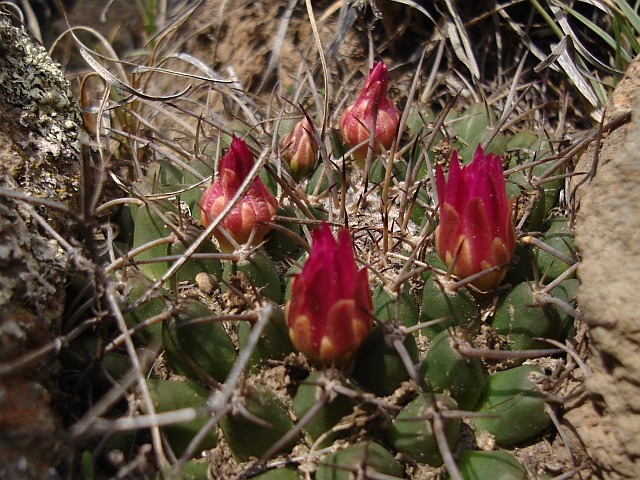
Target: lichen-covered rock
[{"x": 39, "y": 158}]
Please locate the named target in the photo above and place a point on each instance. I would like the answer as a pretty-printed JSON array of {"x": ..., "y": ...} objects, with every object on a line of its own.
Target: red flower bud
[
  {"x": 475, "y": 219},
  {"x": 330, "y": 311},
  {"x": 300, "y": 150},
  {"x": 372, "y": 103},
  {"x": 257, "y": 205}
]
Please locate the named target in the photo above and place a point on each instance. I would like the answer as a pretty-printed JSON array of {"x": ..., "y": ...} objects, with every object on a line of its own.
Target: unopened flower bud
[
  {"x": 330, "y": 311},
  {"x": 371, "y": 106},
  {"x": 300, "y": 150},
  {"x": 256, "y": 207},
  {"x": 476, "y": 230}
]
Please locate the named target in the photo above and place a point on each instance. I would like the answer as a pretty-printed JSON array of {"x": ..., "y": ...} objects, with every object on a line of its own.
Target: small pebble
[{"x": 206, "y": 282}]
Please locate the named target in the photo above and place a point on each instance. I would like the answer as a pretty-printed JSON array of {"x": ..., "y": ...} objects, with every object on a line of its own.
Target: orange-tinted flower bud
[
  {"x": 330, "y": 311},
  {"x": 371, "y": 105},
  {"x": 475, "y": 219},
  {"x": 300, "y": 150},
  {"x": 257, "y": 205}
]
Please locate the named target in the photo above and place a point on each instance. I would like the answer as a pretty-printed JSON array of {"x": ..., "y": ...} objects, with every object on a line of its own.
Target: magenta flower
[
  {"x": 475, "y": 219},
  {"x": 330, "y": 311},
  {"x": 255, "y": 208},
  {"x": 300, "y": 150},
  {"x": 372, "y": 103}
]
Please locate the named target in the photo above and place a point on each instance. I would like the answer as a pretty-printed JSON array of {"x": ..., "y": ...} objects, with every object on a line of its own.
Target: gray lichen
[
  {"x": 38, "y": 96},
  {"x": 39, "y": 157}
]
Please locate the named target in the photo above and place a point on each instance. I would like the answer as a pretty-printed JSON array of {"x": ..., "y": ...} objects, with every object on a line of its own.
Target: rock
[
  {"x": 619, "y": 104},
  {"x": 608, "y": 238},
  {"x": 39, "y": 158}
]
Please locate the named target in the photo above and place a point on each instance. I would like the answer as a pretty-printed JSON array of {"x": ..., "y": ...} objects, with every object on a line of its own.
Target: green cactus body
[
  {"x": 81, "y": 355},
  {"x": 378, "y": 171},
  {"x": 200, "y": 350},
  {"x": 124, "y": 220},
  {"x": 292, "y": 271},
  {"x": 127, "y": 442},
  {"x": 385, "y": 306},
  {"x": 378, "y": 367},
  {"x": 419, "y": 119},
  {"x": 246, "y": 437},
  {"x": 459, "y": 306},
  {"x": 327, "y": 416},
  {"x": 192, "y": 267},
  {"x": 474, "y": 126},
  {"x": 87, "y": 468},
  {"x": 269, "y": 181},
  {"x": 279, "y": 245},
  {"x": 338, "y": 147},
  {"x": 150, "y": 336},
  {"x": 558, "y": 235},
  {"x": 149, "y": 226},
  {"x": 514, "y": 407},
  {"x": 360, "y": 457},
  {"x": 521, "y": 319},
  {"x": 545, "y": 197},
  {"x": 498, "y": 465},
  {"x": 278, "y": 474},
  {"x": 411, "y": 432},
  {"x": 259, "y": 271},
  {"x": 567, "y": 291},
  {"x": 169, "y": 395},
  {"x": 521, "y": 268},
  {"x": 274, "y": 343},
  {"x": 434, "y": 261},
  {"x": 319, "y": 182},
  {"x": 446, "y": 369},
  {"x": 164, "y": 175},
  {"x": 204, "y": 165},
  {"x": 195, "y": 469}
]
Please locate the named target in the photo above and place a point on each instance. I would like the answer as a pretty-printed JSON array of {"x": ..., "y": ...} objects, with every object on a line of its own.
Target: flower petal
[
  {"x": 477, "y": 230},
  {"x": 335, "y": 298}
]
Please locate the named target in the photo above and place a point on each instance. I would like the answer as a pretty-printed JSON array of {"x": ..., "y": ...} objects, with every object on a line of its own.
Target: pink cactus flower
[
  {"x": 475, "y": 219},
  {"x": 256, "y": 207},
  {"x": 300, "y": 150},
  {"x": 372, "y": 103},
  {"x": 330, "y": 311}
]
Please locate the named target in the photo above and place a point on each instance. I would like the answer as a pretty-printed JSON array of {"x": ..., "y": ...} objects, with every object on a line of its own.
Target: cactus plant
[
  {"x": 498, "y": 465},
  {"x": 329, "y": 414},
  {"x": 274, "y": 343},
  {"x": 445, "y": 368},
  {"x": 197, "y": 347},
  {"x": 169, "y": 395},
  {"x": 523, "y": 318},
  {"x": 262, "y": 420},
  {"x": 378, "y": 366},
  {"x": 559, "y": 237},
  {"x": 357, "y": 315},
  {"x": 513, "y": 405},
  {"x": 362, "y": 460},
  {"x": 412, "y": 431},
  {"x": 457, "y": 308},
  {"x": 257, "y": 270}
]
